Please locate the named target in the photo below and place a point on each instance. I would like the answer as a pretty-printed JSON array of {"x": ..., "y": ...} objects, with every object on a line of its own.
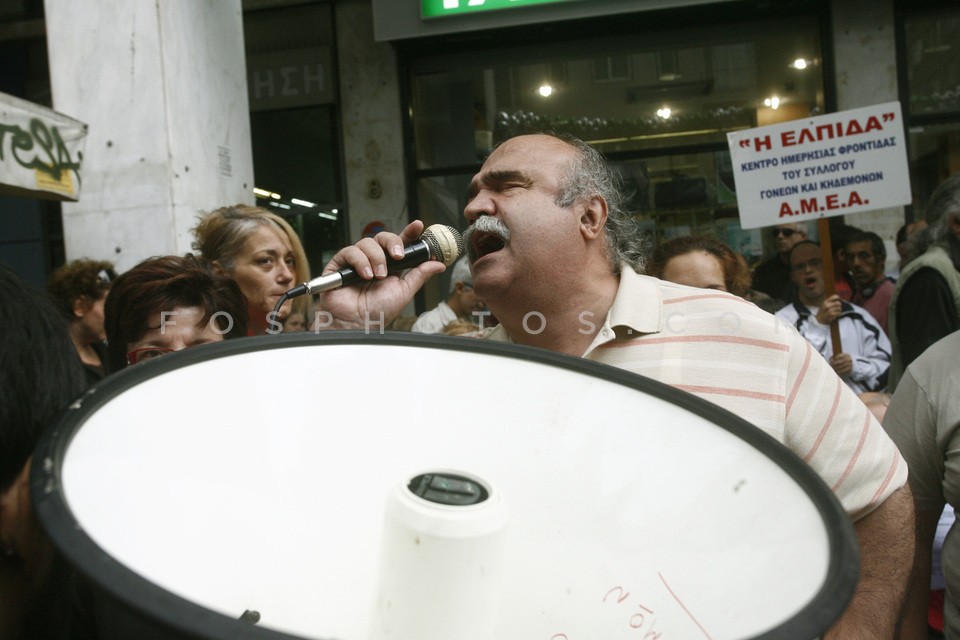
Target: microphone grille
[{"x": 444, "y": 242}]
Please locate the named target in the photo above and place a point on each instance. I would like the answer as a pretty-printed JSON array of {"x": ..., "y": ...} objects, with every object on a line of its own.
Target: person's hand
[
  {"x": 373, "y": 304},
  {"x": 842, "y": 363},
  {"x": 829, "y": 310}
]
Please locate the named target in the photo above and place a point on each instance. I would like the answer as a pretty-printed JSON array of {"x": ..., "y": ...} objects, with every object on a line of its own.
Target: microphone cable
[{"x": 276, "y": 309}]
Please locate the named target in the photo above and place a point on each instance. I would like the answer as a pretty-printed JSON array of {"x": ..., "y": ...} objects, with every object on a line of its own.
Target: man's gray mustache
[{"x": 485, "y": 224}]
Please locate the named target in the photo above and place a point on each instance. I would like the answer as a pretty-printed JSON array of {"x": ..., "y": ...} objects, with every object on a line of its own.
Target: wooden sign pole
[{"x": 823, "y": 228}]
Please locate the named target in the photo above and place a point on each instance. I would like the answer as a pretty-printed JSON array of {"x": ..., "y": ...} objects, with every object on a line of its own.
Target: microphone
[{"x": 438, "y": 242}]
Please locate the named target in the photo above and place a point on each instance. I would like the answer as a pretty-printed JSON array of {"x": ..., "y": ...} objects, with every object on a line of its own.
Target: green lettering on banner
[
  {"x": 439, "y": 8},
  {"x": 41, "y": 148}
]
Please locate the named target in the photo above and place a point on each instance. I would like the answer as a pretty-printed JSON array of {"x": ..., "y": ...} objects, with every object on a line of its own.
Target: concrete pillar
[
  {"x": 162, "y": 86},
  {"x": 865, "y": 50},
  {"x": 372, "y": 133}
]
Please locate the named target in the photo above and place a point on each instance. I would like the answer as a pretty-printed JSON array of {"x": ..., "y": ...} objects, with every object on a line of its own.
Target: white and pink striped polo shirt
[{"x": 728, "y": 351}]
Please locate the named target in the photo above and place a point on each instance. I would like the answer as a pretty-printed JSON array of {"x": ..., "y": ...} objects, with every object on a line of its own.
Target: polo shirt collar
[{"x": 637, "y": 309}]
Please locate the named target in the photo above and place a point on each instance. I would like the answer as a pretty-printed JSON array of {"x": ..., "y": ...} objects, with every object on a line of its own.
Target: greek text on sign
[{"x": 821, "y": 166}]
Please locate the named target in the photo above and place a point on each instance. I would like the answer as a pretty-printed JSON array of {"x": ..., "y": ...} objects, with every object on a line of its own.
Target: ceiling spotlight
[
  {"x": 773, "y": 102},
  {"x": 799, "y": 63},
  {"x": 545, "y": 90},
  {"x": 263, "y": 193},
  {"x": 664, "y": 112}
]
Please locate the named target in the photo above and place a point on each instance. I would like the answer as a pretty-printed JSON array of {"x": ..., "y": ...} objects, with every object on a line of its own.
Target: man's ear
[
  {"x": 217, "y": 268},
  {"x": 593, "y": 217},
  {"x": 954, "y": 223},
  {"x": 81, "y": 305}
]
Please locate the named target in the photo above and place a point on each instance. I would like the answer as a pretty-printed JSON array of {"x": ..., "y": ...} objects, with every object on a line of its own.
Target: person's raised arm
[
  {"x": 377, "y": 301},
  {"x": 886, "y": 540}
]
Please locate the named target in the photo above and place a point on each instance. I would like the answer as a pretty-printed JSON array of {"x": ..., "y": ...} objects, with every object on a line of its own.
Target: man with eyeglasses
[
  {"x": 865, "y": 358},
  {"x": 772, "y": 276}
]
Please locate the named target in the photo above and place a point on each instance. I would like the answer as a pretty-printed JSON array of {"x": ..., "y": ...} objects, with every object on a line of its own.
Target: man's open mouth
[
  {"x": 485, "y": 243},
  {"x": 485, "y": 236}
]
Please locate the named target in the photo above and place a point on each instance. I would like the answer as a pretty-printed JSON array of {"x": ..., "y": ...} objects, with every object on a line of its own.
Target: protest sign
[{"x": 821, "y": 166}]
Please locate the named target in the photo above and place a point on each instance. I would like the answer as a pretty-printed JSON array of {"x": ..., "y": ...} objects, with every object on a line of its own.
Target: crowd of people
[{"x": 818, "y": 370}]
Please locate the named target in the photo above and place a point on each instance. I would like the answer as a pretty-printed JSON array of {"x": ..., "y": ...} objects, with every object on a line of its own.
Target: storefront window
[
  {"x": 294, "y": 123},
  {"x": 625, "y": 94},
  {"x": 934, "y": 155},
  {"x": 296, "y": 158},
  {"x": 933, "y": 62},
  {"x": 658, "y": 104},
  {"x": 688, "y": 193},
  {"x": 931, "y": 57}
]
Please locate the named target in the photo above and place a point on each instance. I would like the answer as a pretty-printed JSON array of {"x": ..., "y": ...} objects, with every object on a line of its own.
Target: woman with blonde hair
[{"x": 262, "y": 253}]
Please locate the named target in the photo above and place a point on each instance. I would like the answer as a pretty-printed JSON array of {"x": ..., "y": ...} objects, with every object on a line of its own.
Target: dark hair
[
  {"x": 40, "y": 371},
  {"x": 163, "y": 284},
  {"x": 839, "y": 234},
  {"x": 876, "y": 243},
  {"x": 800, "y": 244},
  {"x": 90, "y": 278},
  {"x": 901, "y": 235},
  {"x": 736, "y": 274}
]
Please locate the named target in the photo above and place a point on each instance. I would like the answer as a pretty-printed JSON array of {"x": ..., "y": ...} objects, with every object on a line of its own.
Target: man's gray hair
[
  {"x": 943, "y": 206},
  {"x": 588, "y": 175},
  {"x": 460, "y": 272}
]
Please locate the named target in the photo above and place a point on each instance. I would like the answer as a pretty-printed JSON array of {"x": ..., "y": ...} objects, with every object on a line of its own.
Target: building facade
[{"x": 367, "y": 113}]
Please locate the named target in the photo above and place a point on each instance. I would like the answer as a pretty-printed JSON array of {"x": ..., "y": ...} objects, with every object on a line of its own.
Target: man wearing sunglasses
[{"x": 772, "y": 276}]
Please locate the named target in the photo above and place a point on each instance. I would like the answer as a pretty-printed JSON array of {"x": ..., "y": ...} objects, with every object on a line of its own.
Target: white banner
[
  {"x": 41, "y": 151},
  {"x": 822, "y": 166}
]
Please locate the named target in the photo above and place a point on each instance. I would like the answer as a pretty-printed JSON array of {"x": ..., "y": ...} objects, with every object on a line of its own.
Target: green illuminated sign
[{"x": 438, "y": 8}]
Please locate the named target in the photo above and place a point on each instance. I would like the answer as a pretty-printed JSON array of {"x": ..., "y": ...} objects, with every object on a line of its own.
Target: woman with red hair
[{"x": 703, "y": 262}]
